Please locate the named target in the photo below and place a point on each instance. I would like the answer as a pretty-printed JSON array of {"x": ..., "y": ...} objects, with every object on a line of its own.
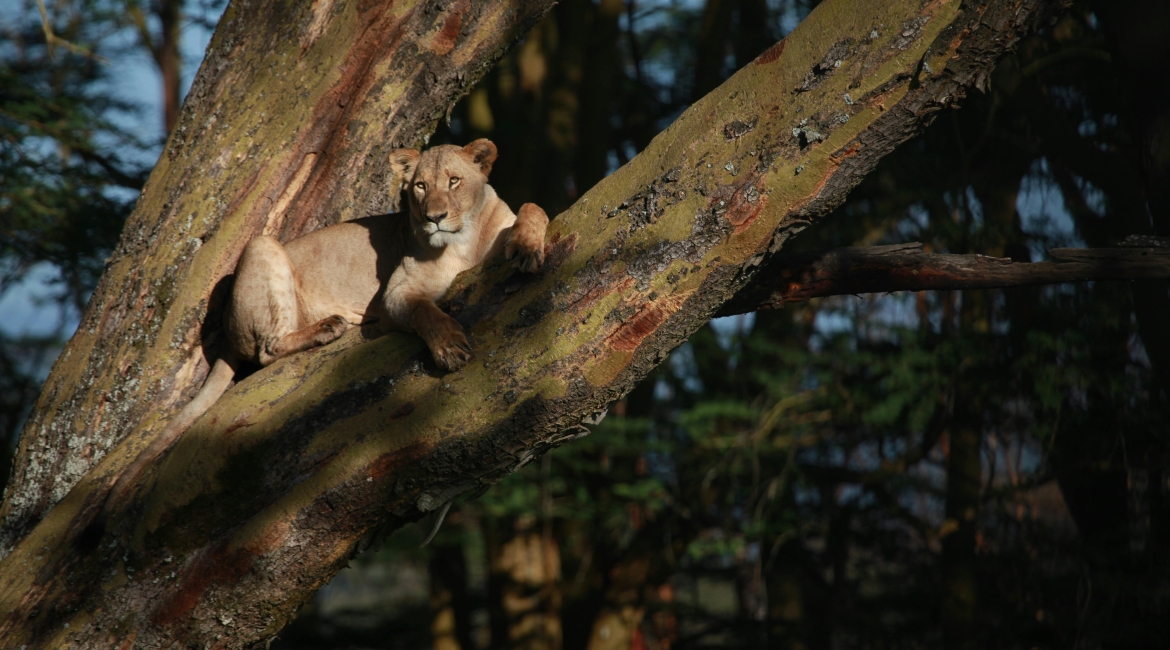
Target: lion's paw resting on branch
[{"x": 387, "y": 268}]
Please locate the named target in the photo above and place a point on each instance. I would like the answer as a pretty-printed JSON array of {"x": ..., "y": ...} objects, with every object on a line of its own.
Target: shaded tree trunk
[
  {"x": 1133, "y": 29},
  {"x": 450, "y": 600},
  {"x": 1136, "y": 30},
  {"x": 169, "y": 60},
  {"x": 304, "y": 462},
  {"x": 711, "y": 48},
  {"x": 599, "y": 73},
  {"x": 960, "y": 597},
  {"x": 526, "y": 571},
  {"x": 754, "y": 33},
  {"x": 799, "y": 602}
]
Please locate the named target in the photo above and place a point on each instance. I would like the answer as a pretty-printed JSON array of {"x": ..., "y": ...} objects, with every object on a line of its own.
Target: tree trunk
[
  {"x": 450, "y": 600},
  {"x": 960, "y": 592},
  {"x": 287, "y": 128},
  {"x": 599, "y": 71},
  {"x": 1136, "y": 30},
  {"x": 527, "y": 574},
  {"x": 169, "y": 59},
  {"x": 164, "y": 49},
  {"x": 711, "y": 48}
]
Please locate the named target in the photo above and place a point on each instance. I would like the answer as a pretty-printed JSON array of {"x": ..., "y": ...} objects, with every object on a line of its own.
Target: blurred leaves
[
  {"x": 803, "y": 454},
  {"x": 68, "y": 176},
  {"x": 65, "y": 184}
]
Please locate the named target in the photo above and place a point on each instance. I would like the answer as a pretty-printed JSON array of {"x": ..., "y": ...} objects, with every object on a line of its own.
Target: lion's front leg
[
  {"x": 443, "y": 334},
  {"x": 525, "y": 245}
]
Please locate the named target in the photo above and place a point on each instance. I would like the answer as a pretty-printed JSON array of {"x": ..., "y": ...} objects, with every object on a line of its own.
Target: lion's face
[{"x": 446, "y": 188}]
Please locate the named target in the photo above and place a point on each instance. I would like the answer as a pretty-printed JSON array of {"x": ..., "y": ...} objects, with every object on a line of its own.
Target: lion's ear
[
  {"x": 483, "y": 152},
  {"x": 402, "y": 163}
]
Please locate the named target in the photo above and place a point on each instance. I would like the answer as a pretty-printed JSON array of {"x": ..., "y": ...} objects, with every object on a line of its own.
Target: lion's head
[{"x": 446, "y": 188}]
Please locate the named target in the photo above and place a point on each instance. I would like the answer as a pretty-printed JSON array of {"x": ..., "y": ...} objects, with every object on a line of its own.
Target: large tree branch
[
  {"x": 273, "y": 490},
  {"x": 796, "y": 277},
  {"x": 286, "y": 129}
]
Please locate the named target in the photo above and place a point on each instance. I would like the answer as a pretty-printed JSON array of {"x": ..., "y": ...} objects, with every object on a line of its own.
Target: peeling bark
[
  {"x": 271, "y": 492},
  {"x": 789, "y": 278}
]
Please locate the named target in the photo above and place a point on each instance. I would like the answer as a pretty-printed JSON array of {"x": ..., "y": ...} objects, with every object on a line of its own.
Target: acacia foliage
[{"x": 70, "y": 170}]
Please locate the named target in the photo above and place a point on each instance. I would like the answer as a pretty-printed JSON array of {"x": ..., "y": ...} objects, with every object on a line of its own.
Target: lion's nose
[{"x": 436, "y": 218}]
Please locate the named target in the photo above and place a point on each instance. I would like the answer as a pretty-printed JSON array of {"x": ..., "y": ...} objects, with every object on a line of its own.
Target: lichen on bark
[
  {"x": 285, "y": 130},
  {"x": 295, "y": 468}
]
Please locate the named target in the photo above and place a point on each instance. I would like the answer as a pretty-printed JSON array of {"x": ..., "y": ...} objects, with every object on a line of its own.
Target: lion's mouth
[
  {"x": 434, "y": 229},
  {"x": 438, "y": 237}
]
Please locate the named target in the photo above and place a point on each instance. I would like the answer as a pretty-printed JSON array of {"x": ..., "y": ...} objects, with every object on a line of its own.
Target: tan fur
[
  {"x": 527, "y": 238},
  {"x": 386, "y": 268}
]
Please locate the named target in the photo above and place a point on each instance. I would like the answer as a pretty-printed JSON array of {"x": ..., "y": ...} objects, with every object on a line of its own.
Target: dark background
[{"x": 942, "y": 469}]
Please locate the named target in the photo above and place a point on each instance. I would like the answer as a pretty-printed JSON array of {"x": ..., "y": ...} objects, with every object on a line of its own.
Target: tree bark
[
  {"x": 271, "y": 492},
  {"x": 285, "y": 130},
  {"x": 798, "y": 277}
]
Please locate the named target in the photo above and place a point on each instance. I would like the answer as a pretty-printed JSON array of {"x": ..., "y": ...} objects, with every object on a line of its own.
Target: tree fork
[
  {"x": 286, "y": 129},
  {"x": 796, "y": 277},
  {"x": 270, "y": 493}
]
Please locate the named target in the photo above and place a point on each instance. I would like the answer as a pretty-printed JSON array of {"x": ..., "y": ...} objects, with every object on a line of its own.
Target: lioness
[
  {"x": 289, "y": 298},
  {"x": 306, "y": 293}
]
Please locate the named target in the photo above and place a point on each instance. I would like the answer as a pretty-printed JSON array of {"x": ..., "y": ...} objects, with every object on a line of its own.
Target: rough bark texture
[
  {"x": 285, "y": 130},
  {"x": 274, "y": 489},
  {"x": 905, "y": 267}
]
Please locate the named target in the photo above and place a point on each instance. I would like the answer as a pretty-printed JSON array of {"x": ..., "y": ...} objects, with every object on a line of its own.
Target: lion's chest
[{"x": 421, "y": 279}]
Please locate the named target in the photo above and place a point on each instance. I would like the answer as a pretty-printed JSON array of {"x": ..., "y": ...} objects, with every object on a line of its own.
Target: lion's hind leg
[
  {"x": 264, "y": 318},
  {"x": 323, "y": 331}
]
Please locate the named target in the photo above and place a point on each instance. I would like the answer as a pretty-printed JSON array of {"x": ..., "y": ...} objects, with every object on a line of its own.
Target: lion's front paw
[
  {"x": 451, "y": 350},
  {"x": 525, "y": 247},
  {"x": 524, "y": 257}
]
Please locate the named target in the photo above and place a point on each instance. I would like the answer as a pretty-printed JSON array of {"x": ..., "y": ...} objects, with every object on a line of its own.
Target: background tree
[
  {"x": 74, "y": 159},
  {"x": 787, "y": 475},
  {"x": 68, "y": 175}
]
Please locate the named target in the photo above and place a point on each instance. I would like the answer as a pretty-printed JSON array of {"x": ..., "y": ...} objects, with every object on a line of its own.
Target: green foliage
[
  {"x": 812, "y": 446},
  {"x": 65, "y": 186},
  {"x": 803, "y": 459},
  {"x": 67, "y": 180}
]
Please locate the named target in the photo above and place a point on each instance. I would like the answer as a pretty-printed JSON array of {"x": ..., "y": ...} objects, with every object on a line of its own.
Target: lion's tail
[{"x": 218, "y": 380}]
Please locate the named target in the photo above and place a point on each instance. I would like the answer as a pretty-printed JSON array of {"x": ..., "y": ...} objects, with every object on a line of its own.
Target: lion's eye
[
  {"x": 422, "y": 187},
  {"x": 454, "y": 181}
]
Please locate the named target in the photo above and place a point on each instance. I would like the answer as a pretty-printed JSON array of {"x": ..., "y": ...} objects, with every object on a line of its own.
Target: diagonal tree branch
[
  {"x": 797, "y": 277},
  {"x": 286, "y": 129},
  {"x": 301, "y": 464}
]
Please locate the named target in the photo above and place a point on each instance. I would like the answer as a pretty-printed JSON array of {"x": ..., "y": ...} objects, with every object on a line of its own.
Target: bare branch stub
[{"x": 797, "y": 277}]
